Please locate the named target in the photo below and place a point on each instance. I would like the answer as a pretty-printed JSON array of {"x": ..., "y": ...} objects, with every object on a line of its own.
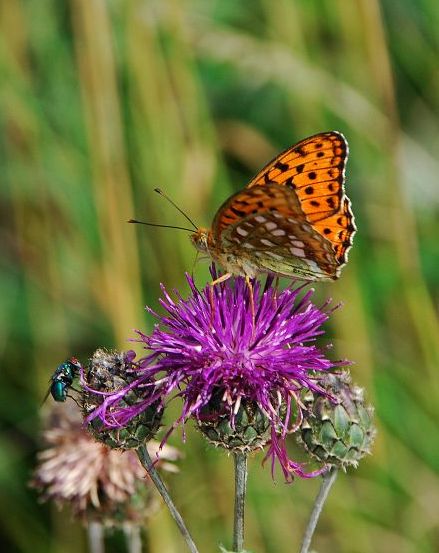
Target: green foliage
[{"x": 103, "y": 101}]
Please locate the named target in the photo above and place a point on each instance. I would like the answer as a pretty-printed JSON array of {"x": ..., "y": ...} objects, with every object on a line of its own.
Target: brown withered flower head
[{"x": 98, "y": 483}]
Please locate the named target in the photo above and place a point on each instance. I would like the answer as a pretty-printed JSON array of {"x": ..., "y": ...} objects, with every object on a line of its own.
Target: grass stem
[
  {"x": 240, "y": 491},
  {"x": 327, "y": 480},
  {"x": 146, "y": 461},
  {"x": 95, "y": 537}
]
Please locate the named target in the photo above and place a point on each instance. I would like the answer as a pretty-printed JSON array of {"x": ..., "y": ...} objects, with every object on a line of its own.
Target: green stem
[
  {"x": 95, "y": 537},
  {"x": 327, "y": 480},
  {"x": 145, "y": 459},
  {"x": 133, "y": 539},
  {"x": 240, "y": 490}
]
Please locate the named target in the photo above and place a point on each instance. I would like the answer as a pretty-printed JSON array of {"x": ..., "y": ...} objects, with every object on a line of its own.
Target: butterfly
[{"x": 293, "y": 218}]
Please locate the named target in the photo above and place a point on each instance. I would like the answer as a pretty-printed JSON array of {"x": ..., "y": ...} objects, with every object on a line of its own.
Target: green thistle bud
[
  {"x": 250, "y": 429},
  {"x": 110, "y": 371},
  {"x": 339, "y": 434}
]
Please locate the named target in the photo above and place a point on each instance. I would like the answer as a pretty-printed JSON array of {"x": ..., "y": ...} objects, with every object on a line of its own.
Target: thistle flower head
[
  {"x": 338, "y": 432},
  {"x": 96, "y": 482},
  {"x": 215, "y": 344},
  {"x": 109, "y": 372}
]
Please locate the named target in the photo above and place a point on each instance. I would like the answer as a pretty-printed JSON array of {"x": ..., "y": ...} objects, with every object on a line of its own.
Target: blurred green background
[{"x": 100, "y": 102}]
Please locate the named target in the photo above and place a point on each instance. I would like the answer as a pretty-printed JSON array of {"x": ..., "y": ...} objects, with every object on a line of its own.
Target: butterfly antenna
[
  {"x": 159, "y": 191},
  {"x": 157, "y": 225}
]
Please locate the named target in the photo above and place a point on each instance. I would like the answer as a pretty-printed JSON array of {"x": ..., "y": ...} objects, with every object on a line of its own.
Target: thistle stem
[
  {"x": 147, "y": 463},
  {"x": 240, "y": 490},
  {"x": 327, "y": 480},
  {"x": 95, "y": 537},
  {"x": 133, "y": 539}
]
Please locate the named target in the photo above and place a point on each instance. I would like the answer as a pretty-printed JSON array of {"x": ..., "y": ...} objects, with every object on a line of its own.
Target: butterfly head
[{"x": 202, "y": 240}]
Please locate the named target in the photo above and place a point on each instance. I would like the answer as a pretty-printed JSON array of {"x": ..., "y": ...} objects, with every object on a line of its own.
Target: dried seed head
[{"x": 96, "y": 482}]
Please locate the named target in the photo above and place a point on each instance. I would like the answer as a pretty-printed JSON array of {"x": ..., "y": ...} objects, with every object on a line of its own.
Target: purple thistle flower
[{"x": 208, "y": 343}]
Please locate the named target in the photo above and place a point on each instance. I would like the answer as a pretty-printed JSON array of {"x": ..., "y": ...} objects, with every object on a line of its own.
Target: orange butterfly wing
[
  {"x": 315, "y": 170},
  {"x": 266, "y": 225},
  {"x": 293, "y": 218}
]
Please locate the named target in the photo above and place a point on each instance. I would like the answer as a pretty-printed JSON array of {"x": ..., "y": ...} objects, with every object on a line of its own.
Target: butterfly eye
[{"x": 200, "y": 239}]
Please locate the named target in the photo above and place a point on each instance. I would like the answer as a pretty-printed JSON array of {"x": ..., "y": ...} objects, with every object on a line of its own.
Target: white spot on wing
[
  {"x": 273, "y": 255},
  {"x": 297, "y": 243},
  {"x": 241, "y": 231},
  {"x": 270, "y": 225},
  {"x": 278, "y": 232},
  {"x": 313, "y": 266},
  {"x": 248, "y": 246},
  {"x": 260, "y": 219},
  {"x": 267, "y": 242},
  {"x": 298, "y": 252}
]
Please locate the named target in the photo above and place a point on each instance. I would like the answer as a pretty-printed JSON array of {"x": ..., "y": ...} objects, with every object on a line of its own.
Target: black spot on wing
[
  {"x": 237, "y": 212},
  {"x": 281, "y": 166},
  {"x": 330, "y": 202},
  {"x": 289, "y": 182}
]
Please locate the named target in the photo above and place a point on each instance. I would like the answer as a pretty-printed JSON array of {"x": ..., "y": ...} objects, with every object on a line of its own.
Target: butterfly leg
[
  {"x": 276, "y": 288},
  {"x": 252, "y": 300},
  {"x": 218, "y": 280},
  {"x": 193, "y": 266}
]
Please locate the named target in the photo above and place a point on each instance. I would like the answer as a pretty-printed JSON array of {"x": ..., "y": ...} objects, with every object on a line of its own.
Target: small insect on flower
[{"x": 62, "y": 379}]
